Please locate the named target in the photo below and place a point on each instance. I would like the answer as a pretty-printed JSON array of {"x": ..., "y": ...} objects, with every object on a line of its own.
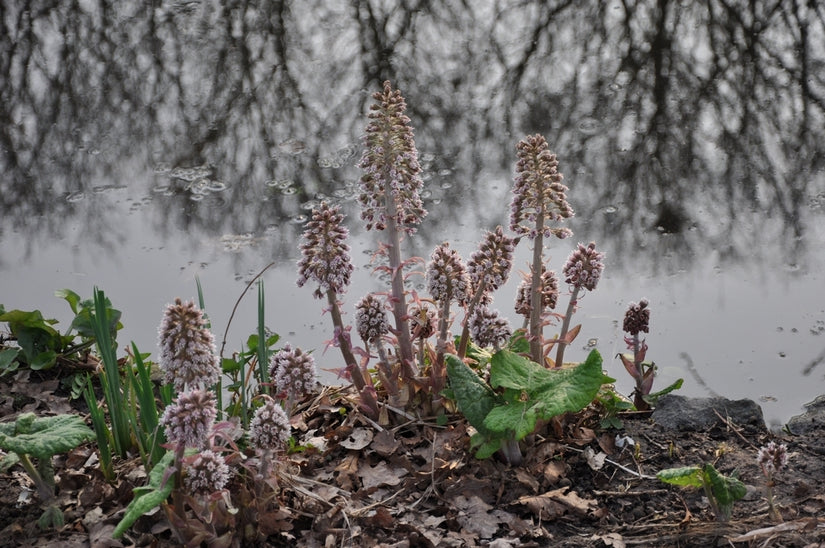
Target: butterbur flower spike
[
  {"x": 584, "y": 267},
  {"x": 206, "y": 474},
  {"x": 490, "y": 265},
  {"x": 549, "y": 293},
  {"x": 371, "y": 319},
  {"x": 188, "y": 420},
  {"x": 538, "y": 191},
  {"x": 772, "y": 458},
  {"x": 447, "y": 278},
  {"x": 270, "y": 429},
  {"x": 293, "y": 372},
  {"x": 325, "y": 253},
  {"x": 187, "y": 348},
  {"x": 391, "y": 182},
  {"x": 488, "y": 328},
  {"x": 637, "y": 318}
]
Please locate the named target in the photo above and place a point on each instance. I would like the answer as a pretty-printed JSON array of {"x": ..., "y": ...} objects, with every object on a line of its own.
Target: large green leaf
[
  {"x": 44, "y": 437},
  {"x": 519, "y": 417},
  {"x": 549, "y": 392},
  {"x": 475, "y": 399}
]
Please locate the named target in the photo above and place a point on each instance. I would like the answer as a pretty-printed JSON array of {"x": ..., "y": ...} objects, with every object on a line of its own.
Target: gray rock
[
  {"x": 813, "y": 419},
  {"x": 674, "y": 412}
]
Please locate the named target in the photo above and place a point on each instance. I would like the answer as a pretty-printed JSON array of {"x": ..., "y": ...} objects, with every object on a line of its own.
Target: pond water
[{"x": 143, "y": 146}]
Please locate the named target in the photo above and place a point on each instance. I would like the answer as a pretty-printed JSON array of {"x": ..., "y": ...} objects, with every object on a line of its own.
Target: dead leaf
[
  {"x": 384, "y": 443},
  {"x": 554, "y": 471},
  {"x": 358, "y": 439},
  {"x": 347, "y": 470},
  {"x": 553, "y": 504},
  {"x": 527, "y": 479},
  {"x": 594, "y": 460},
  {"x": 610, "y": 539},
  {"x": 381, "y": 474},
  {"x": 475, "y": 517}
]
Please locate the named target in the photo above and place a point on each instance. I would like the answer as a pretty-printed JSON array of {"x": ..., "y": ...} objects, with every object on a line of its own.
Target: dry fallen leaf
[
  {"x": 380, "y": 474},
  {"x": 358, "y": 439},
  {"x": 555, "y": 503}
]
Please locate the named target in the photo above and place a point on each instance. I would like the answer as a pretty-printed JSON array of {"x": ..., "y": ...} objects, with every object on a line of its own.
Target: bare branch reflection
[{"x": 681, "y": 127}]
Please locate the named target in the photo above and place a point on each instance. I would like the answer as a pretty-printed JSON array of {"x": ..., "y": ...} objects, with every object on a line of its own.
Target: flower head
[
  {"x": 447, "y": 278},
  {"x": 772, "y": 458},
  {"x": 325, "y": 254},
  {"x": 187, "y": 348},
  {"x": 207, "y": 473},
  {"x": 270, "y": 428},
  {"x": 584, "y": 267},
  {"x": 391, "y": 182},
  {"x": 637, "y": 318},
  {"x": 538, "y": 189},
  {"x": 371, "y": 319},
  {"x": 491, "y": 263},
  {"x": 189, "y": 418},
  {"x": 488, "y": 328},
  {"x": 549, "y": 292},
  {"x": 293, "y": 371}
]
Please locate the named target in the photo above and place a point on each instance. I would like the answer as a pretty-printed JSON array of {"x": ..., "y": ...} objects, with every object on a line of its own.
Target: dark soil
[{"x": 414, "y": 483}]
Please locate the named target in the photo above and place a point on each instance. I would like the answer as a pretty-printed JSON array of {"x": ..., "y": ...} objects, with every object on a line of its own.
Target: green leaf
[
  {"x": 653, "y": 398},
  {"x": 685, "y": 476},
  {"x": 44, "y": 360},
  {"x": 70, "y": 297},
  {"x": 44, "y": 437},
  {"x": 553, "y": 391},
  {"x": 519, "y": 417},
  {"x": 8, "y": 356},
  {"x": 149, "y": 496},
  {"x": 726, "y": 490},
  {"x": 475, "y": 399}
]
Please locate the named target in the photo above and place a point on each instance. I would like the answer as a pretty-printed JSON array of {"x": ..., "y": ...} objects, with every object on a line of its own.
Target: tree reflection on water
[{"x": 699, "y": 119}]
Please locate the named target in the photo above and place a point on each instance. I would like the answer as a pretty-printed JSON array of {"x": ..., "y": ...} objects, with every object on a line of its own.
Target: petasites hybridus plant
[
  {"x": 520, "y": 394},
  {"x": 539, "y": 202},
  {"x": 771, "y": 459},
  {"x": 636, "y": 321},
  {"x": 42, "y": 438},
  {"x": 721, "y": 491},
  {"x": 390, "y": 199},
  {"x": 293, "y": 373},
  {"x": 326, "y": 261}
]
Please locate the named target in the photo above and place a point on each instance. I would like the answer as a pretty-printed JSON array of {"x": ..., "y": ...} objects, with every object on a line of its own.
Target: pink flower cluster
[{"x": 325, "y": 254}]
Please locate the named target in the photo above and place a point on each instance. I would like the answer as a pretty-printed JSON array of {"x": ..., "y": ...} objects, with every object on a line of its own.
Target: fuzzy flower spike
[
  {"x": 187, "y": 348},
  {"x": 539, "y": 200},
  {"x": 293, "y": 372},
  {"x": 583, "y": 271},
  {"x": 325, "y": 254},
  {"x": 391, "y": 182},
  {"x": 390, "y": 198},
  {"x": 188, "y": 420}
]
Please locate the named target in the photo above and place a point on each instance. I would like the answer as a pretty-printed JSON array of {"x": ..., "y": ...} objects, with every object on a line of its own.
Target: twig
[
  {"x": 238, "y": 302},
  {"x": 617, "y": 465},
  {"x": 735, "y": 430}
]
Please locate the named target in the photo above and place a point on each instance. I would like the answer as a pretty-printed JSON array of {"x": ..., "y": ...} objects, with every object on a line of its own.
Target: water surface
[{"x": 142, "y": 146}]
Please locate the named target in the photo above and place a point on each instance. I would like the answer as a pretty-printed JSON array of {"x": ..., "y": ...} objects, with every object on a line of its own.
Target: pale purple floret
[
  {"x": 269, "y": 429},
  {"x": 447, "y": 278},
  {"x": 492, "y": 262},
  {"x": 325, "y": 254},
  {"x": 292, "y": 371},
  {"x": 584, "y": 267},
  {"x": 488, "y": 328},
  {"x": 391, "y": 176},
  {"x": 538, "y": 189},
  {"x": 207, "y": 473},
  {"x": 188, "y": 420},
  {"x": 549, "y": 293},
  {"x": 187, "y": 348},
  {"x": 371, "y": 319}
]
